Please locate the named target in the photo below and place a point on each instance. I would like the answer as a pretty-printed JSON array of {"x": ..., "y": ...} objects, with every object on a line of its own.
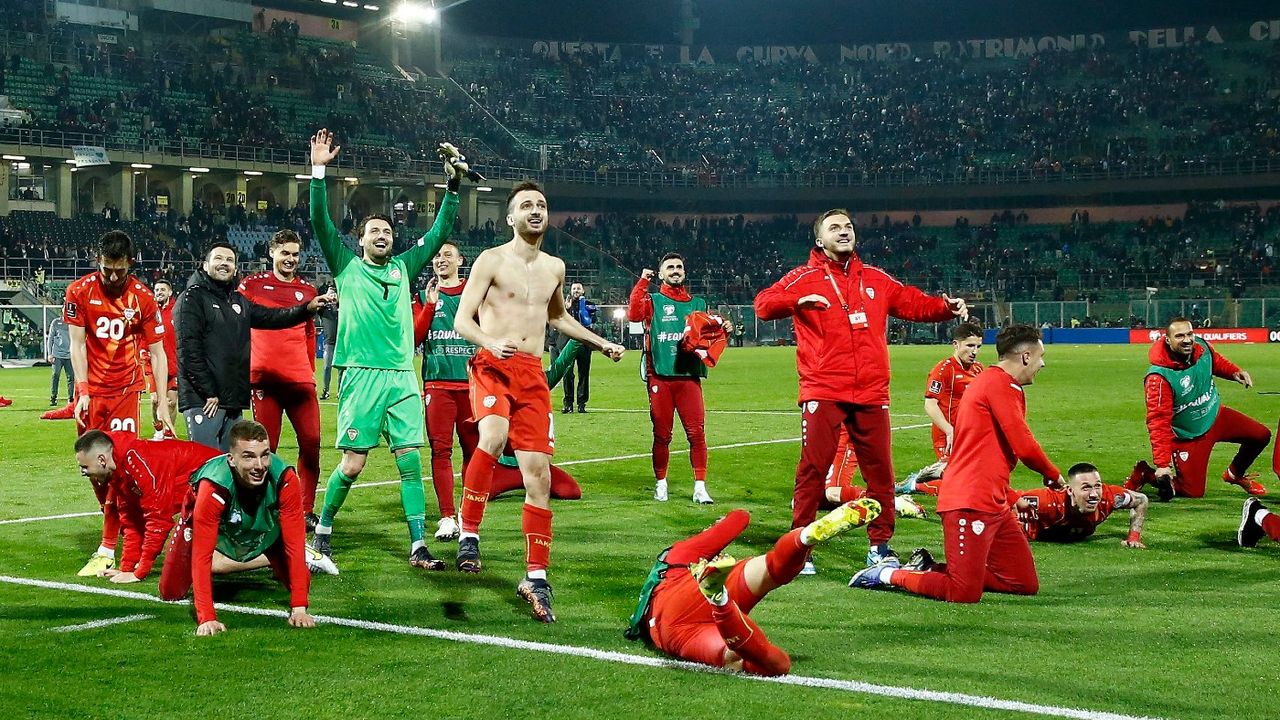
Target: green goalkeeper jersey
[{"x": 377, "y": 318}]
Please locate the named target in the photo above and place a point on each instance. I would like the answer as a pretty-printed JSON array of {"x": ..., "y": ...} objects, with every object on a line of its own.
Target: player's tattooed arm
[{"x": 1137, "y": 504}]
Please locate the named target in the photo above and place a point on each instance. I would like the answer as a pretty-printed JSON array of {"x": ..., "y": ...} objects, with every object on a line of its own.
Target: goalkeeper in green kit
[{"x": 379, "y": 394}]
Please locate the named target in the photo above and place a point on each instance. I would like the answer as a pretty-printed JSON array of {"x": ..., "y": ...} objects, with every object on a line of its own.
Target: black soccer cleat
[
  {"x": 538, "y": 594},
  {"x": 321, "y": 543},
  {"x": 468, "y": 555},
  {"x": 1250, "y": 531},
  {"x": 921, "y": 560},
  {"x": 312, "y": 520},
  {"x": 422, "y": 558}
]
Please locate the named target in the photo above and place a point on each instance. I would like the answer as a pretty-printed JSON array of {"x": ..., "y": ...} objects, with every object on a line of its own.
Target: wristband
[
  {"x": 82, "y": 388},
  {"x": 317, "y": 172},
  {"x": 1134, "y": 537}
]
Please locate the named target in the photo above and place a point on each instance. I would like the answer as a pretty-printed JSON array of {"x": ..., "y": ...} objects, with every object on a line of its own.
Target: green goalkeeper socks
[
  {"x": 412, "y": 496},
  {"x": 334, "y": 495}
]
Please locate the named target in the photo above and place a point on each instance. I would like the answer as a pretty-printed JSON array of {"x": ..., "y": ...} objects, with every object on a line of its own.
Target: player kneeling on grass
[
  {"x": 985, "y": 548},
  {"x": 1074, "y": 512},
  {"x": 695, "y": 603},
  {"x": 149, "y": 480},
  {"x": 245, "y": 506}
]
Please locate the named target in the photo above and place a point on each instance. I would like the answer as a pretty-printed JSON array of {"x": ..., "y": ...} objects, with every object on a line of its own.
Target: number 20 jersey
[{"x": 116, "y": 328}]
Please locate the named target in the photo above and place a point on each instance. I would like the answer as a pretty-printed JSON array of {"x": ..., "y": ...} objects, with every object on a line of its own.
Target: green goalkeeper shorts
[{"x": 374, "y": 403}]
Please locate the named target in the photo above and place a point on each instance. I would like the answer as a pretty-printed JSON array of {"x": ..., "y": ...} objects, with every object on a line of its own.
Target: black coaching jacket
[{"x": 213, "y": 321}]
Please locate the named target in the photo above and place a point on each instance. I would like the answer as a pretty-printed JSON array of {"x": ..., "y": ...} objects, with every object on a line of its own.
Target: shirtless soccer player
[{"x": 515, "y": 291}]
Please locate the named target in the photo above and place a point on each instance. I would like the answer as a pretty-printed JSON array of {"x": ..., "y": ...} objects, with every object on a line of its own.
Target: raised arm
[
  {"x": 417, "y": 257},
  {"x": 336, "y": 253},
  {"x": 640, "y": 304}
]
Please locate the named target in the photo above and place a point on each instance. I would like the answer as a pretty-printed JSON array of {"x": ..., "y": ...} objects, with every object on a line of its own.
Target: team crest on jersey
[
  {"x": 489, "y": 401},
  {"x": 669, "y": 310},
  {"x": 129, "y": 313},
  {"x": 298, "y": 294},
  {"x": 259, "y": 394},
  {"x": 395, "y": 273},
  {"x": 811, "y": 407},
  {"x": 352, "y": 433},
  {"x": 871, "y": 293},
  {"x": 978, "y": 527},
  {"x": 236, "y": 307}
]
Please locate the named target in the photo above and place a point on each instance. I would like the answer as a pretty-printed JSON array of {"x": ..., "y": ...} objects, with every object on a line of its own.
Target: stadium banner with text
[
  {"x": 1258, "y": 31},
  {"x": 1213, "y": 335},
  {"x": 1073, "y": 336},
  {"x": 90, "y": 155}
]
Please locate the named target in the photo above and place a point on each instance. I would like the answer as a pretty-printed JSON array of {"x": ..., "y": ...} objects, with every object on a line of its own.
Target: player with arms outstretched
[
  {"x": 379, "y": 395},
  {"x": 514, "y": 292},
  {"x": 1073, "y": 513},
  {"x": 111, "y": 317}
]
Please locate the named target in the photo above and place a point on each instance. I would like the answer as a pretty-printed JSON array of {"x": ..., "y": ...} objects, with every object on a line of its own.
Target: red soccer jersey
[
  {"x": 1055, "y": 520},
  {"x": 947, "y": 383},
  {"x": 991, "y": 437},
  {"x": 150, "y": 485},
  {"x": 117, "y": 328},
  {"x": 287, "y": 356}
]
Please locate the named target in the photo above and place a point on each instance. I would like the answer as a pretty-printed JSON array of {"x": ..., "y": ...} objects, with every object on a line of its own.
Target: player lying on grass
[
  {"x": 245, "y": 505},
  {"x": 1074, "y": 512},
  {"x": 696, "y": 602},
  {"x": 149, "y": 480}
]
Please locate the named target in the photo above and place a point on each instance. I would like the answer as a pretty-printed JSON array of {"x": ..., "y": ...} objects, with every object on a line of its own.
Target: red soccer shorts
[
  {"x": 515, "y": 389},
  {"x": 939, "y": 442},
  {"x": 118, "y": 413}
]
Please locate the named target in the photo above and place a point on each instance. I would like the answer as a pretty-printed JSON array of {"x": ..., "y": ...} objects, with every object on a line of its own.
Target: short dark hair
[
  {"x": 1015, "y": 338},
  {"x": 817, "y": 224},
  {"x": 966, "y": 330},
  {"x": 162, "y": 281},
  {"x": 1081, "y": 468},
  {"x": 116, "y": 245},
  {"x": 284, "y": 237},
  {"x": 246, "y": 430},
  {"x": 93, "y": 440},
  {"x": 364, "y": 224},
  {"x": 220, "y": 243},
  {"x": 671, "y": 256},
  {"x": 521, "y": 187},
  {"x": 1176, "y": 320}
]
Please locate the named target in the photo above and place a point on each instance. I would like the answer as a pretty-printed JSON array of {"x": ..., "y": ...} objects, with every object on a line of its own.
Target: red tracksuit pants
[
  {"x": 1191, "y": 457},
  {"x": 448, "y": 412},
  {"x": 667, "y": 396},
  {"x": 868, "y": 428},
  {"x": 985, "y": 551},
  {"x": 297, "y": 400}
]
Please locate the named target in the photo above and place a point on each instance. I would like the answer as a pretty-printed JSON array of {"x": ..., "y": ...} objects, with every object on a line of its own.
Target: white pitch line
[
  {"x": 852, "y": 686},
  {"x": 50, "y": 517},
  {"x": 637, "y": 456},
  {"x": 102, "y": 623}
]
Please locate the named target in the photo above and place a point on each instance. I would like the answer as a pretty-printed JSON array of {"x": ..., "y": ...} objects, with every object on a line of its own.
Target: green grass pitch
[{"x": 1182, "y": 630}]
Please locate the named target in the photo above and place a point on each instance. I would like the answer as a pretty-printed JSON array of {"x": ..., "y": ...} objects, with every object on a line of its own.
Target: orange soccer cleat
[{"x": 1249, "y": 482}]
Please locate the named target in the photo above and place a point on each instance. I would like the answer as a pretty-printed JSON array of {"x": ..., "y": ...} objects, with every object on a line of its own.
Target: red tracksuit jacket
[{"x": 836, "y": 362}]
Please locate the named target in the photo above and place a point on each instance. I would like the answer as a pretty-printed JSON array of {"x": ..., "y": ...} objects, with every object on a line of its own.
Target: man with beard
[
  {"x": 111, "y": 316},
  {"x": 673, "y": 377},
  {"x": 1186, "y": 418},
  {"x": 378, "y": 395},
  {"x": 515, "y": 292},
  {"x": 214, "y": 320},
  {"x": 282, "y": 371},
  {"x": 841, "y": 309}
]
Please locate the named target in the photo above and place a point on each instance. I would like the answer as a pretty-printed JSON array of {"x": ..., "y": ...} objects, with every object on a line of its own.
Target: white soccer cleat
[
  {"x": 447, "y": 528},
  {"x": 908, "y": 508},
  {"x": 319, "y": 563},
  {"x": 701, "y": 496},
  {"x": 808, "y": 568},
  {"x": 660, "y": 491}
]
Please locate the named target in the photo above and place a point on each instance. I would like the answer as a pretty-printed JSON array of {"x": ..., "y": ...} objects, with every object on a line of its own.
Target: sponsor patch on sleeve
[{"x": 935, "y": 386}]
